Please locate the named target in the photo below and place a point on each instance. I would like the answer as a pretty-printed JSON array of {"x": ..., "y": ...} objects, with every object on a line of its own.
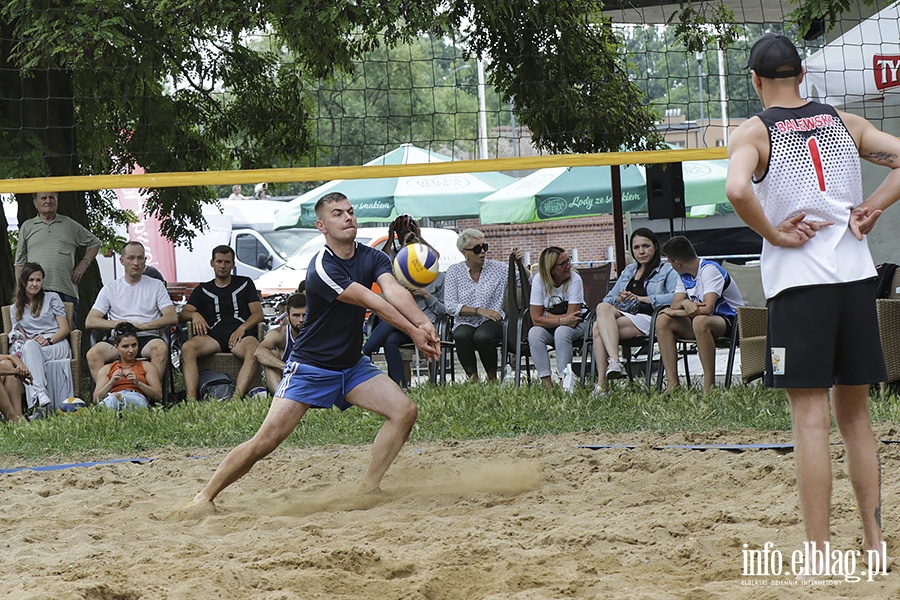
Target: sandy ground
[{"x": 525, "y": 518}]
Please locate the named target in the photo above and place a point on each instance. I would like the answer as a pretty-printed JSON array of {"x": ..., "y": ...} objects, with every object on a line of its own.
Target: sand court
[{"x": 528, "y": 517}]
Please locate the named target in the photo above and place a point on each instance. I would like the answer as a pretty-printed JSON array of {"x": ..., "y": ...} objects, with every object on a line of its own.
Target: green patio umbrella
[
  {"x": 567, "y": 192},
  {"x": 704, "y": 187},
  {"x": 562, "y": 193},
  {"x": 439, "y": 197}
]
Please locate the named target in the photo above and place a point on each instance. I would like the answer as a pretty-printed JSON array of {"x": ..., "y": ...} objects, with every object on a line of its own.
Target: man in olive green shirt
[{"x": 50, "y": 239}]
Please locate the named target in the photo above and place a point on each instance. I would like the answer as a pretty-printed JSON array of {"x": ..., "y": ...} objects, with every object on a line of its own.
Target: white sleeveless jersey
[{"x": 813, "y": 168}]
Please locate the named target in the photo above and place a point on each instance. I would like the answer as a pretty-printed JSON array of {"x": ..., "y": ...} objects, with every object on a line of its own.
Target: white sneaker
[
  {"x": 43, "y": 399},
  {"x": 615, "y": 370},
  {"x": 599, "y": 392}
]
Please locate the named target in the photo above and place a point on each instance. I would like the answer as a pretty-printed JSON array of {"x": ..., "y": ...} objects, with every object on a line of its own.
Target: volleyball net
[{"x": 204, "y": 108}]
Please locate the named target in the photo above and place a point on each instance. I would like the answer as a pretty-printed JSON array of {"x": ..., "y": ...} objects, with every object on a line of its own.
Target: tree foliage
[
  {"x": 561, "y": 65},
  {"x": 809, "y": 12},
  {"x": 668, "y": 73},
  {"x": 144, "y": 82},
  {"x": 99, "y": 86}
]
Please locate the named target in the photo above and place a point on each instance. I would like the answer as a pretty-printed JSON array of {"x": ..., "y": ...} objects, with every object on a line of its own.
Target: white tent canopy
[{"x": 861, "y": 66}]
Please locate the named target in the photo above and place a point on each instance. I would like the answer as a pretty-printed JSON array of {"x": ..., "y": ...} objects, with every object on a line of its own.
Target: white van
[
  {"x": 257, "y": 246},
  {"x": 247, "y": 226},
  {"x": 258, "y": 252},
  {"x": 288, "y": 276}
]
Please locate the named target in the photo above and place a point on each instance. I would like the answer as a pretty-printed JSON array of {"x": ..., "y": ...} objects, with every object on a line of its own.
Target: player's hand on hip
[
  {"x": 796, "y": 231},
  {"x": 862, "y": 220}
]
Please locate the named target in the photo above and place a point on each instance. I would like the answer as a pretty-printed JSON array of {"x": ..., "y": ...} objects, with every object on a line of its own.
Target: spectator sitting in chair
[
  {"x": 128, "y": 382},
  {"x": 40, "y": 331},
  {"x": 557, "y": 300},
  {"x": 627, "y": 310},
  {"x": 13, "y": 373},
  {"x": 276, "y": 348},
  {"x": 704, "y": 308},
  {"x": 139, "y": 300},
  {"x": 430, "y": 299},
  {"x": 473, "y": 294},
  {"x": 223, "y": 314}
]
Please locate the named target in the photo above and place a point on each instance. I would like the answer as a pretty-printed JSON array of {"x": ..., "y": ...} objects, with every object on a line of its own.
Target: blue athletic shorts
[{"x": 323, "y": 388}]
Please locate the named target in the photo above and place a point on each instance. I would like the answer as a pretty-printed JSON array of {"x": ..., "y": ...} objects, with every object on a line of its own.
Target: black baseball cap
[{"x": 772, "y": 51}]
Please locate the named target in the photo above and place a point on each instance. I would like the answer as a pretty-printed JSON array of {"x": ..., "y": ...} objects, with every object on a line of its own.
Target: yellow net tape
[{"x": 158, "y": 180}]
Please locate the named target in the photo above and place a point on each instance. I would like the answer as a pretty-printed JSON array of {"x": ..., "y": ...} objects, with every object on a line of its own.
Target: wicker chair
[
  {"x": 752, "y": 323},
  {"x": 228, "y": 363},
  {"x": 889, "y": 329},
  {"x": 751, "y": 320},
  {"x": 74, "y": 342}
]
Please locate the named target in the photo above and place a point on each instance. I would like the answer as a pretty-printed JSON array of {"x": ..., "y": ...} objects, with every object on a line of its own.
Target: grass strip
[{"x": 466, "y": 411}]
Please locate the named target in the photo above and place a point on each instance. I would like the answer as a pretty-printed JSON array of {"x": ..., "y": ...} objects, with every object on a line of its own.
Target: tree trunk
[{"x": 41, "y": 106}]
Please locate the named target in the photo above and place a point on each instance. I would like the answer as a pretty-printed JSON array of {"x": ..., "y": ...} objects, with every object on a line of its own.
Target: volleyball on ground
[
  {"x": 72, "y": 405},
  {"x": 416, "y": 265}
]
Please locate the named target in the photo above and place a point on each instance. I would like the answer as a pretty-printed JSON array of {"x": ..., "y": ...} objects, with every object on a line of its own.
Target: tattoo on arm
[{"x": 881, "y": 157}]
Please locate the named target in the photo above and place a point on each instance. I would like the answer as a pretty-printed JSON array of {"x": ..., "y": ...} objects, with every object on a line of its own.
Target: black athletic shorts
[
  {"x": 823, "y": 335},
  {"x": 729, "y": 325},
  {"x": 222, "y": 336}
]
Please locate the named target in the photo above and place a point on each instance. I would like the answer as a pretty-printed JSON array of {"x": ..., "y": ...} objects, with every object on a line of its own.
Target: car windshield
[
  {"x": 287, "y": 241},
  {"x": 300, "y": 259}
]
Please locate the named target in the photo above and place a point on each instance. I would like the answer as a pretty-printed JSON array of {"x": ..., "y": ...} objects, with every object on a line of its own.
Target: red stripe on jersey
[{"x": 817, "y": 161}]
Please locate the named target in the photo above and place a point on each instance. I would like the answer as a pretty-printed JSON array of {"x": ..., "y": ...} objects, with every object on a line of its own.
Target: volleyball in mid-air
[
  {"x": 72, "y": 405},
  {"x": 416, "y": 265}
]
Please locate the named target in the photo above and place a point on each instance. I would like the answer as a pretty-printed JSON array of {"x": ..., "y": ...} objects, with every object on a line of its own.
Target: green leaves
[
  {"x": 810, "y": 11},
  {"x": 705, "y": 24},
  {"x": 559, "y": 63}
]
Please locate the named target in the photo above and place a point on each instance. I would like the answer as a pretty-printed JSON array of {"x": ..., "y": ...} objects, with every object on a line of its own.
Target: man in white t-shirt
[
  {"x": 704, "y": 308},
  {"x": 141, "y": 301}
]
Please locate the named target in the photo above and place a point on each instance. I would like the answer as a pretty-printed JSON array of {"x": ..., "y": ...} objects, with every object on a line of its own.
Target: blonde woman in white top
[{"x": 557, "y": 312}]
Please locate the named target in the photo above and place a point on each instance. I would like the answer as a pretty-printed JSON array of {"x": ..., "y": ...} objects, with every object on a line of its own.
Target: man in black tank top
[{"x": 794, "y": 178}]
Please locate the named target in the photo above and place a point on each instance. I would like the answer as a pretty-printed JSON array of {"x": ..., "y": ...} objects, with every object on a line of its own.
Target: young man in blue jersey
[
  {"x": 326, "y": 367},
  {"x": 703, "y": 308},
  {"x": 794, "y": 177}
]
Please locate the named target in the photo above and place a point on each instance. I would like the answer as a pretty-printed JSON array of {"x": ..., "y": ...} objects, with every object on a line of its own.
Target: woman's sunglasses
[{"x": 478, "y": 248}]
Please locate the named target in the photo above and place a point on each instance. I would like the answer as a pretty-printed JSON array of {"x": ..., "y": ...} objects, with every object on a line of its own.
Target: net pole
[{"x": 618, "y": 217}]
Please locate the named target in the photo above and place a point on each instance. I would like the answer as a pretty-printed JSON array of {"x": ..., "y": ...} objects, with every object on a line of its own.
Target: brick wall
[{"x": 591, "y": 236}]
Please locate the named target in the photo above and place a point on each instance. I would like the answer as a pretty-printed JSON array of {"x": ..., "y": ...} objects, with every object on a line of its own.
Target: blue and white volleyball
[
  {"x": 416, "y": 265},
  {"x": 72, "y": 405}
]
